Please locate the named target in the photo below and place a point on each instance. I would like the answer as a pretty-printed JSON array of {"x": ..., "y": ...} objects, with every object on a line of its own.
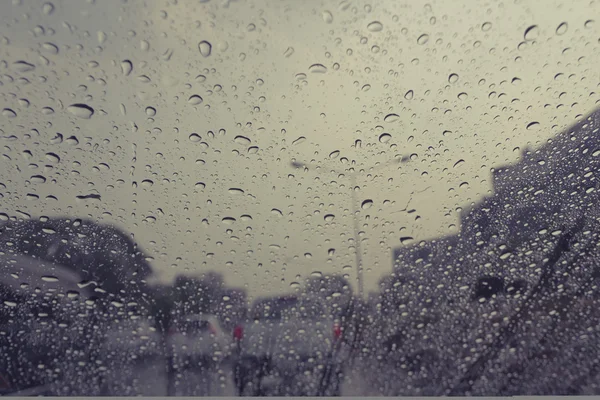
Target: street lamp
[{"x": 352, "y": 175}]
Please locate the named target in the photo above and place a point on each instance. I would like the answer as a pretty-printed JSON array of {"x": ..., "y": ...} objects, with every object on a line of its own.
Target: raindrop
[
  {"x": 329, "y": 217},
  {"x": 50, "y": 48},
  {"x": 463, "y": 96},
  {"x": 391, "y": 118},
  {"x": 409, "y": 95},
  {"x": 48, "y": 8},
  {"x": 459, "y": 163},
  {"x": 317, "y": 69},
  {"x": 533, "y": 125},
  {"x": 453, "y": 78},
  {"x": 486, "y": 26},
  {"x": 194, "y": 137},
  {"x": 47, "y": 111},
  {"x": 126, "y": 67},
  {"x": 531, "y": 33},
  {"x": 307, "y": 255},
  {"x": 10, "y": 303},
  {"x": 205, "y": 48},
  {"x": 228, "y": 220},
  {"x": 72, "y": 140},
  {"x": 81, "y": 110},
  {"x": 406, "y": 240},
  {"x": 236, "y": 191},
  {"x": 298, "y": 141},
  {"x": 423, "y": 39},
  {"x": 589, "y": 23},
  {"x": 147, "y": 183},
  {"x": 8, "y": 113},
  {"x": 331, "y": 252},
  {"x": 385, "y": 137},
  {"x": 243, "y": 140},
  {"x": 375, "y": 26},
  {"x": 200, "y": 185},
  {"x": 252, "y": 149},
  {"x": 150, "y": 111},
  {"x": 288, "y": 52},
  {"x": 23, "y": 66},
  {"x": 195, "y": 100},
  {"x": 334, "y": 154},
  {"x": 366, "y": 204},
  {"x": 562, "y": 29},
  {"x": 49, "y": 278},
  {"x": 52, "y": 157},
  {"x": 246, "y": 218},
  {"x": 327, "y": 17},
  {"x": 38, "y": 179},
  {"x": 277, "y": 212}
]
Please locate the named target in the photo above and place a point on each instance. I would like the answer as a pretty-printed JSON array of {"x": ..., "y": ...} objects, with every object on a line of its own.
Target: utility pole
[{"x": 355, "y": 217}]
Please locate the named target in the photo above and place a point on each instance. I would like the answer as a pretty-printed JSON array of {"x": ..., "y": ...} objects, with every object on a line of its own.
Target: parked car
[
  {"x": 288, "y": 346},
  {"x": 43, "y": 322},
  {"x": 197, "y": 341}
]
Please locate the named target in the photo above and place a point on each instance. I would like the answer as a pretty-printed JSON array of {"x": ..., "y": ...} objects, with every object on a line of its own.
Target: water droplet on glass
[
  {"x": 391, "y": 118},
  {"x": 463, "y": 96},
  {"x": 375, "y": 26},
  {"x": 277, "y": 212},
  {"x": 533, "y": 125},
  {"x": 53, "y": 157},
  {"x": 200, "y": 185},
  {"x": 205, "y": 48},
  {"x": 81, "y": 110},
  {"x": 9, "y": 303},
  {"x": 334, "y": 154},
  {"x": 288, "y": 52},
  {"x": 486, "y": 26},
  {"x": 49, "y": 278},
  {"x": 194, "y": 137},
  {"x": 562, "y": 28},
  {"x": 366, "y": 204},
  {"x": 23, "y": 66},
  {"x": 307, "y": 255},
  {"x": 385, "y": 137},
  {"x": 246, "y": 218},
  {"x": 453, "y": 78},
  {"x": 531, "y": 33},
  {"x": 329, "y": 217},
  {"x": 195, "y": 100},
  {"x": 228, "y": 220},
  {"x": 327, "y": 17},
  {"x": 50, "y": 48},
  {"x": 48, "y": 8},
  {"x": 8, "y": 113},
  {"x": 298, "y": 141},
  {"x": 243, "y": 140},
  {"x": 317, "y": 69},
  {"x": 423, "y": 39},
  {"x": 147, "y": 183},
  {"x": 588, "y": 24},
  {"x": 252, "y": 149},
  {"x": 409, "y": 95},
  {"x": 47, "y": 111},
  {"x": 236, "y": 191},
  {"x": 126, "y": 67},
  {"x": 406, "y": 240},
  {"x": 150, "y": 111},
  {"x": 72, "y": 140},
  {"x": 459, "y": 163}
]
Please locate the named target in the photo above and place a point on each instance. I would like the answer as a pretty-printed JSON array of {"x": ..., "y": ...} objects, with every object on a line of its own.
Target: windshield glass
[{"x": 299, "y": 198}]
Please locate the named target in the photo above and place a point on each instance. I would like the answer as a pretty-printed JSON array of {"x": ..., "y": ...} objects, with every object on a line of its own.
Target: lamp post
[{"x": 352, "y": 176}]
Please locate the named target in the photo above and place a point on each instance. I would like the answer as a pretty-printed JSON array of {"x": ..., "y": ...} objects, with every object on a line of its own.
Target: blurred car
[
  {"x": 288, "y": 346},
  {"x": 43, "y": 319},
  {"x": 197, "y": 340}
]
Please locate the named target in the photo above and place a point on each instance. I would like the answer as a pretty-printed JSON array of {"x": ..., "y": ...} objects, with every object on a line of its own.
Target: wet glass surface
[{"x": 227, "y": 197}]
